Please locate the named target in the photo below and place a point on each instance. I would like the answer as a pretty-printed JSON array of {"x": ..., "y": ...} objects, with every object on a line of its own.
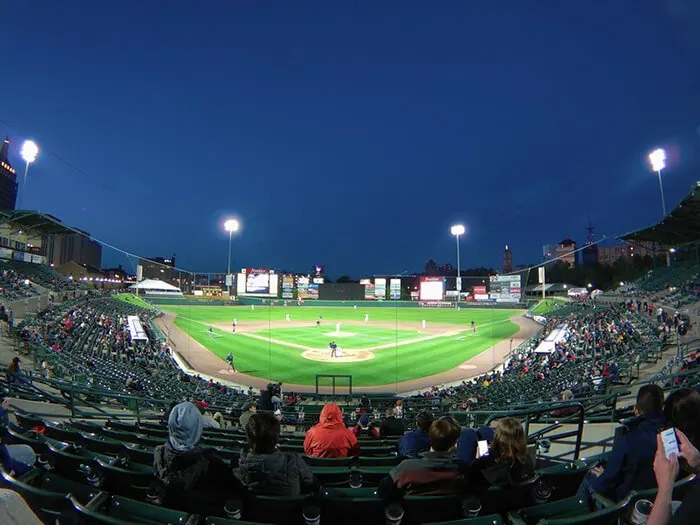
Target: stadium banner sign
[
  {"x": 287, "y": 287},
  {"x": 369, "y": 288},
  {"x": 482, "y": 297},
  {"x": 313, "y": 291},
  {"x": 5, "y": 253},
  {"x": 578, "y": 293},
  {"x": 505, "y": 288},
  {"x": 136, "y": 328},
  {"x": 303, "y": 287},
  {"x": 479, "y": 290},
  {"x": 437, "y": 304},
  {"x": 380, "y": 288},
  {"x": 432, "y": 289},
  {"x": 395, "y": 289}
]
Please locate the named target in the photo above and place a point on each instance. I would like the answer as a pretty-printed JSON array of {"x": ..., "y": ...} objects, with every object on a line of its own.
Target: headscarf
[{"x": 184, "y": 427}]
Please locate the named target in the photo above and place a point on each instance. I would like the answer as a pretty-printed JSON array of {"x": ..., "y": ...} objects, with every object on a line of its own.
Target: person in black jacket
[
  {"x": 265, "y": 469},
  {"x": 391, "y": 426},
  {"x": 190, "y": 478}
]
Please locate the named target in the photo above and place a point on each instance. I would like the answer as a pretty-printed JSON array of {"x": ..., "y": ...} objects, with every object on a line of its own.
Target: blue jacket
[
  {"x": 467, "y": 442},
  {"x": 413, "y": 443},
  {"x": 631, "y": 463}
]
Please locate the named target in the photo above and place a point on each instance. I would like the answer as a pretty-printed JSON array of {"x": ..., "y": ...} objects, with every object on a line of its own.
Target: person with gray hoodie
[
  {"x": 190, "y": 478},
  {"x": 265, "y": 469}
]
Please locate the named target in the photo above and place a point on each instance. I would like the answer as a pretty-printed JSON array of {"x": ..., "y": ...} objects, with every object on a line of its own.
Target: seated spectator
[
  {"x": 468, "y": 441},
  {"x": 666, "y": 471},
  {"x": 391, "y": 426},
  {"x": 364, "y": 428},
  {"x": 14, "y": 372},
  {"x": 436, "y": 472},
  {"x": 190, "y": 478},
  {"x": 267, "y": 470},
  {"x": 682, "y": 410},
  {"x": 507, "y": 462},
  {"x": 207, "y": 420},
  {"x": 330, "y": 438},
  {"x": 566, "y": 395},
  {"x": 630, "y": 464},
  {"x": 398, "y": 409},
  {"x": 249, "y": 408},
  {"x": 414, "y": 443}
]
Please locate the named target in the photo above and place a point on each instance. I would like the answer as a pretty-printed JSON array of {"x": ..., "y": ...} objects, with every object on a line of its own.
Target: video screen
[
  {"x": 432, "y": 289},
  {"x": 257, "y": 283}
]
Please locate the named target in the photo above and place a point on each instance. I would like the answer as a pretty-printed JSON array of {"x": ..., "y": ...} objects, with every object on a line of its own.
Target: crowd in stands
[{"x": 677, "y": 285}]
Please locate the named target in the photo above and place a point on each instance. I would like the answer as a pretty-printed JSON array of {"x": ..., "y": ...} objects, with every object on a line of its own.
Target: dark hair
[
  {"x": 650, "y": 399},
  {"x": 423, "y": 419},
  {"x": 682, "y": 410},
  {"x": 509, "y": 440},
  {"x": 263, "y": 431},
  {"x": 444, "y": 433}
]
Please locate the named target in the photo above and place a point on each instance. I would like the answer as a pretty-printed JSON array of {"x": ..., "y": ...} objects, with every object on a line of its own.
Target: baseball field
[{"x": 377, "y": 346}]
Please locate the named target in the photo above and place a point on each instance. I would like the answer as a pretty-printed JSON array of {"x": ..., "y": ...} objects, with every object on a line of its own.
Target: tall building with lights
[
  {"x": 8, "y": 179},
  {"x": 507, "y": 260}
]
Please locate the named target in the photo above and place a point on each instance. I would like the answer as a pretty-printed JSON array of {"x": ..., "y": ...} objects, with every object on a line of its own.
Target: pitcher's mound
[
  {"x": 339, "y": 334},
  {"x": 349, "y": 356}
]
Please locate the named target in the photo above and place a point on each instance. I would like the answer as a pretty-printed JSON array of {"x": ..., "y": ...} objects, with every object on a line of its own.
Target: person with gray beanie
[{"x": 190, "y": 478}]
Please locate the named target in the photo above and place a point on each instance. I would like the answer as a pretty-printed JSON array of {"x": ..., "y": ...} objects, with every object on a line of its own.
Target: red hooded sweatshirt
[{"x": 330, "y": 438}]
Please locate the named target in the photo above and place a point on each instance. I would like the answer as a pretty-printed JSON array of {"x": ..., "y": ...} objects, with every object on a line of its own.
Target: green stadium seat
[
  {"x": 279, "y": 510},
  {"x": 132, "y": 481},
  {"x": 213, "y": 520},
  {"x": 328, "y": 462},
  {"x": 423, "y": 509},
  {"x": 348, "y": 505},
  {"x": 563, "y": 508},
  {"x": 492, "y": 519},
  {"x": 47, "y": 505},
  {"x": 607, "y": 516}
]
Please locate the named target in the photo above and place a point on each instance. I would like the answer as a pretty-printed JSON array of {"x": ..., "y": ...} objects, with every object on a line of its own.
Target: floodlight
[
  {"x": 231, "y": 225},
  {"x": 657, "y": 159},
  {"x": 29, "y": 151},
  {"x": 457, "y": 229}
]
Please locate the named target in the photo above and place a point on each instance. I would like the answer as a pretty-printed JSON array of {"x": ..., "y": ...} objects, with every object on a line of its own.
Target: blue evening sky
[{"x": 351, "y": 134}]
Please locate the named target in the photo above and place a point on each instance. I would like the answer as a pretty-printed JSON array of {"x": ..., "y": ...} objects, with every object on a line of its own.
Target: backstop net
[{"x": 334, "y": 384}]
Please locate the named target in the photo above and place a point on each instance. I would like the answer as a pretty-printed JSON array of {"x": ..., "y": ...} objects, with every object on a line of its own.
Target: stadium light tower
[
  {"x": 29, "y": 153},
  {"x": 457, "y": 230},
  {"x": 231, "y": 225},
  {"x": 657, "y": 159}
]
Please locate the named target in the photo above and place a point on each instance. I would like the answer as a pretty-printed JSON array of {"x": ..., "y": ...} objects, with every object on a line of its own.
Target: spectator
[
  {"x": 666, "y": 471},
  {"x": 364, "y": 428},
  {"x": 507, "y": 462},
  {"x": 391, "y": 426},
  {"x": 398, "y": 409},
  {"x": 267, "y": 470},
  {"x": 630, "y": 466},
  {"x": 330, "y": 438},
  {"x": 468, "y": 441},
  {"x": 14, "y": 372},
  {"x": 682, "y": 410},
  {"x": 437, "y": 472},
  {"x": 207, "y": 420},
  {"x": 249, "y": 408},
  {"x": 411, "y": 445},
  {"x": 190, "y": 478}
]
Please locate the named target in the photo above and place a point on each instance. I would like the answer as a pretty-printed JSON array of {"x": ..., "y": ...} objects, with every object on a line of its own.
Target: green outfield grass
[
  {"x": 262, "y": 358},
  {"x": 548, "y": 305}
]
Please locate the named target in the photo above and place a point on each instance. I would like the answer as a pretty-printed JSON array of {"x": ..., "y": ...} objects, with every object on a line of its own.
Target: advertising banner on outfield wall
[
  {"x": 395, "y": 289},
  {"x": 380, "y": 288},
  {"x": 479, "y": 290},
  {"x": 313, "y": 291},
  {"x": 287, "y": 287},
  {"x": 369, "y": 288},
  {"x": 303, "y": 287}
]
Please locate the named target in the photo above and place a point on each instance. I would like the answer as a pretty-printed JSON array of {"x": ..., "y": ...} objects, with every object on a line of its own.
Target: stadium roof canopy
[
  {"x": 35, "y": 222},
  {"x": 681, "y": 226}
]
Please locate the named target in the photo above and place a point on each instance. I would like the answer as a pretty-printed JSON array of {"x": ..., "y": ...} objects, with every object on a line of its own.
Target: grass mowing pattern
[
  {"x": 364, "y": 336},
  {"x": 283, "y": 363}
]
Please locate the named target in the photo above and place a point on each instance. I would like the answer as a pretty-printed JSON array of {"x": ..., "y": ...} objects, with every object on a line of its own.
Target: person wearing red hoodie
[{"x": 330, "y": 438}]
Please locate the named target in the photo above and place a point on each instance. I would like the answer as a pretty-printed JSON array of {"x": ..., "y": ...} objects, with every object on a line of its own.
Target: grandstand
[{"x": 98, "y": 375}]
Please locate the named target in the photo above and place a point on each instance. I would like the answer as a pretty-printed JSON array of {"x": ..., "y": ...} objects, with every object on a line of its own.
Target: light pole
[
  {"x": 657, "y": 159},
  {"x": 457, "y": 230},
  {"x": 28, "y": 152},
  {"x": 231, "y": 225}
]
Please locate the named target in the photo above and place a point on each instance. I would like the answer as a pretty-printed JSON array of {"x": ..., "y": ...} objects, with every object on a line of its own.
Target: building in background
[
  {"x": 162, "y": 268},
  {"x": 607, "y": 255},
  {"x": 74, "y": 247},
  {"x": 589, "y": 254},
  {"x": 566, "y": 252},
  {"x": 549, "y": 252},
  {"x": 507, "y": 260},
  {"x": 8, "y": 179}
]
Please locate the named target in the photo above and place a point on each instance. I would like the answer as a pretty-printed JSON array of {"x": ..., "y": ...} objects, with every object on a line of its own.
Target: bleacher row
[
  {"x": 677, "y": 285},
  {"x": 17, "y": 279}
]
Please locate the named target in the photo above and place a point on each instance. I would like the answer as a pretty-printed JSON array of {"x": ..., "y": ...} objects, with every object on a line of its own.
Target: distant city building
[
  {"x": 589, "y": 254},
  {"x": 566, "y": 252},
  {"x": 549, "y": 252},
  {"x": 507, "y": 260},
  {"x": 162, "y": 268},
  {"x": 8, "y": 179},
  {"x": 76, "y": 247},
  {"x": 607, "y": 255}
]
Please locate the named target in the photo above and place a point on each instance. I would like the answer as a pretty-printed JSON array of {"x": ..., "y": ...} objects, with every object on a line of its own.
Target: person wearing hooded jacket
[
  {"x": 330, "y": 438},
  {"x": 267, "y": 470},
  {"x": 190, "y": 478}
]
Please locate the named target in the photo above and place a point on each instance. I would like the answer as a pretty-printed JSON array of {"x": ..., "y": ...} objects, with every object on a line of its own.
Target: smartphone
[
  {"x": 483, "y": 448},
  {"x": 670, "y": 441}
]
